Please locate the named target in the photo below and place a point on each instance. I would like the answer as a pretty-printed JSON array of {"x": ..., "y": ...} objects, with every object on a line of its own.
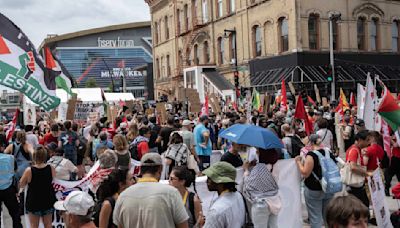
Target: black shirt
[
  {"x": 155, "y": 130},
  {"x": 234, "y": 160},
  {"x": 310, "y": 182},
  {"x": 165, "y": 132}
]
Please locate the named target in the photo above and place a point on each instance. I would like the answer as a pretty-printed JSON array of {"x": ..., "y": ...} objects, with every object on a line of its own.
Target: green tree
[{"x": 91, "y": 83}]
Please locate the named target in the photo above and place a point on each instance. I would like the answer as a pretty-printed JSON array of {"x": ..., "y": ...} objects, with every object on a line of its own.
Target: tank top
[
  {"x": 124, "y": 160},
  {"x": 41, "y": 195}
]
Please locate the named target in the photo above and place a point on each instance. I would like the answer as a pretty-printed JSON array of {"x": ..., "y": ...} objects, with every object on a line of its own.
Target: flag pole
[{"x": 375, "y": 97}]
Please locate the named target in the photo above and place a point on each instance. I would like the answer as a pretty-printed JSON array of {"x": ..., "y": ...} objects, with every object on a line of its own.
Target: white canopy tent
[
  {"x": 115, "y": 97},
  {"x": 87, "y": 95}
]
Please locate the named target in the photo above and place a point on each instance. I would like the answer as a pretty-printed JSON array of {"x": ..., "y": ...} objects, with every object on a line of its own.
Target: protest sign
[
  {"x": 161, "y": 112},
  {"x": 317, "y": 94},
  {"x": 381, "y": 209},
  {"x": 83, "y": 110},
  {"x": 62, "y": 111},
  {"x": 29, "y": 114},
  {"x": 71, "y": 108}
]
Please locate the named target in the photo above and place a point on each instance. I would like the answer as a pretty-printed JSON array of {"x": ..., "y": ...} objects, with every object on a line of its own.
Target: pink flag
[
  {"x": 386, "y": 137},
  {"x": 204, "y": 110},
  {"x": 284, "y": 98}
]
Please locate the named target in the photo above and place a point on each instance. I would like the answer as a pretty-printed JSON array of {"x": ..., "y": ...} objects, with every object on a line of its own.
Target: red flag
[
  {"x": 284, "y": 97},
  {"x": 3, "y": 47},
  {"x": 50, "y": 62},
  {"x": 121, "y": 103},
  {"x": 204, "y": 110},
  {"x": 353, "y": 99},
  {"x": 300, "y": 113},
  {"x": 13, "y": 125},
  {"x": 311, "y": 101}
]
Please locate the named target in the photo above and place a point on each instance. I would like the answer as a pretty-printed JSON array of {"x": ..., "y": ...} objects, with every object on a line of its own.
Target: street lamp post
[
  {"x": 332, "y": 17},
  {"x": 235, "y": 73}
]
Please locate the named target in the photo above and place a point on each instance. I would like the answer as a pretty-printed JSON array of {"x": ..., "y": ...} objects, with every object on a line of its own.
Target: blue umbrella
[{"x": 252, "y": 135}]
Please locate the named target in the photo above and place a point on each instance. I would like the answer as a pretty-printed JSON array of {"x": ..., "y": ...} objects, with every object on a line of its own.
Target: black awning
[
  {"x": 218, "y": 80},
  {"x": 310, "y": 68}
]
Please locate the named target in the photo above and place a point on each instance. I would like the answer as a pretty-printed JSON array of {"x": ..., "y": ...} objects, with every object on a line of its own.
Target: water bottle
[{"x": 260, "y": 213}]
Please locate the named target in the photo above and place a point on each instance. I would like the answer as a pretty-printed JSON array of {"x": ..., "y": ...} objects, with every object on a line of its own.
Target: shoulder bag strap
[
  {"x": 247, "y": 218},
  {"x": 191, "y": 206}
]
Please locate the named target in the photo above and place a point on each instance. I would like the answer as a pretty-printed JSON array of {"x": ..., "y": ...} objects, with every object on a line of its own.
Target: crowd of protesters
[{"x": 36, "y": 155}]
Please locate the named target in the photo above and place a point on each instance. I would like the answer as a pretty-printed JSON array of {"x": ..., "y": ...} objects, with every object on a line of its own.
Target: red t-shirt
[
  {"x": 48, "y": 138},
  {"x": 353, "y": 154},
  {"x": 374, "y": 152},
  {"x": 142, "y": 148},
  {"x": 396, "y": 152}
]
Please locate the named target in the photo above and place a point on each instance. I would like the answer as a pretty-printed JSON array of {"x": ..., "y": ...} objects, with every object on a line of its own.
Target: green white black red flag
[{"x": 23, "y": 69}]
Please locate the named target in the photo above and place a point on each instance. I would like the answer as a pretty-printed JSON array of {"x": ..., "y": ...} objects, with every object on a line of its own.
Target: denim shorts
[{"x": 42, "y": 213}]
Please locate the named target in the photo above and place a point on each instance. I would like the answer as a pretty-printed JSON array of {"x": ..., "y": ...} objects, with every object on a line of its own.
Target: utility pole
[{"x": 332, "y": 17}]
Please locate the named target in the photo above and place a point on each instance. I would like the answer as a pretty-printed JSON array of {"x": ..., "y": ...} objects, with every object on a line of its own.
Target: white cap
[
  {"x": 76, "y": 203},
  {"x": 187, "y": 122}
]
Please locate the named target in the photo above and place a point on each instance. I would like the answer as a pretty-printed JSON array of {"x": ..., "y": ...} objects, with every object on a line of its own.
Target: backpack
[
  {"x": 95, "y": 143},
  {"x": 297, "y": 144},
  {"x": 133, "y": 149},
  {"x": 331, "y": 181},
  {"x": 191, "y": 206},
  {"x": 82, "y": 146}
]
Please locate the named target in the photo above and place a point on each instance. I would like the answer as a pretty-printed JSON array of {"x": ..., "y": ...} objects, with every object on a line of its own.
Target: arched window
[
  {"x": 155, "y": 32},
  {"x": 166, "y": 27},
  {"x": 283, "y": 34},
  {"x": 219, "y": 8},
  {"x": 206, "y": 52},
  {"x": 256, "y": 41},
  {"x": 232, "y": 47},
  {"x": 221, "y": 50},
  {"x": 196, "y": 54},
  {"x": 178, "y": 21},
  {"x": 157, "y": 68},
  {"x": 186, "y": 17},
  {"x": 361, "y": 33},
  {"x": 373, "y": 34},
  {"x": 168, "y": 67},
  {"x": 313, "y": 31},
  {"x": 395, "y": 36}
]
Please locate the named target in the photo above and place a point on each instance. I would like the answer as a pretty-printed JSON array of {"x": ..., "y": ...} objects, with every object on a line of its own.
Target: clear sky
[{"x": 37, "y": 18}]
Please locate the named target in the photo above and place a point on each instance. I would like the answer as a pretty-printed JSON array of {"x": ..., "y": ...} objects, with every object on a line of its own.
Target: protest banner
[
  {"x": 62, "y": 111},
  {"x": 83, "y": 110},
  {"x": 381, "y": 209}
]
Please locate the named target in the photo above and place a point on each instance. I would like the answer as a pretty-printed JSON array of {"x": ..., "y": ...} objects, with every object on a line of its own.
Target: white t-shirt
[
  {"x": 149, "y": 204},
  {"x": 63, "y": 167},
  {"x": 227, "y": 211},
  {"x": 326, "y": 136}
]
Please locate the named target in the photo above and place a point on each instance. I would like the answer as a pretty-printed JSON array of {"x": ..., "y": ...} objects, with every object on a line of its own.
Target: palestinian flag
[
  {"x": 23, "y": 69},
  {"x": 389, "y": 110},
  {"x": 64, "y": 79},
  {"x": 256, "y": 100}
]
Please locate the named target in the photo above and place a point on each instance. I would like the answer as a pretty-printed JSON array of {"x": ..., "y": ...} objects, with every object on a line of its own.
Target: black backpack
[
  {"x": 133, "y": 149},
  {"x": 191, "y": 206},
  {"x": 297, "y": 144}
]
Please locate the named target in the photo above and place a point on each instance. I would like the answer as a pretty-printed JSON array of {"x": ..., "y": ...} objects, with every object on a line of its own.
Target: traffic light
[
  {"x": 328, "y": 70},
  {"x": 236, "y": 76}
]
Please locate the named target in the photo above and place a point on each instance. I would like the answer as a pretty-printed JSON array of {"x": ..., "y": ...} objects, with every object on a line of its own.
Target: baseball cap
[
  {"x": 221, "y": 172},
  {"x": 154, "y": 157},
  {"x": 360, "y": 122},
  {"x": 77, "y": 203},
  {"x": 52, "y": 146},
  {"x": 186, "y": 122}
]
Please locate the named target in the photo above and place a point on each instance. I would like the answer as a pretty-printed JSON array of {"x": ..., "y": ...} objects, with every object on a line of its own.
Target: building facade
[
  {"x": 266, "y": 41},
  {"x": 103, "y": 57}
]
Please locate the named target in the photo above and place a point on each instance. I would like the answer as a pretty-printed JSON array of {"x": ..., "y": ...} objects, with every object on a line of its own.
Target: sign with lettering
[{"x": 115, "y": 43}]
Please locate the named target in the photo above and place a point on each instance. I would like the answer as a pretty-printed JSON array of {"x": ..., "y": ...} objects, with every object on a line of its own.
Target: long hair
[{"x": 189, "y": 176}]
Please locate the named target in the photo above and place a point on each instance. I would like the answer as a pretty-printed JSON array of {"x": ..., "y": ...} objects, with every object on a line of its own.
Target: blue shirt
[
  {"x": 199, "y": 138},
  {"x": 6, "y": 170}
]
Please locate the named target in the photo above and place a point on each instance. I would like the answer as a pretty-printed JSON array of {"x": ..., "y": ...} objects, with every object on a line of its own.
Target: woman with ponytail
[{"x": 182, "y": 178}]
